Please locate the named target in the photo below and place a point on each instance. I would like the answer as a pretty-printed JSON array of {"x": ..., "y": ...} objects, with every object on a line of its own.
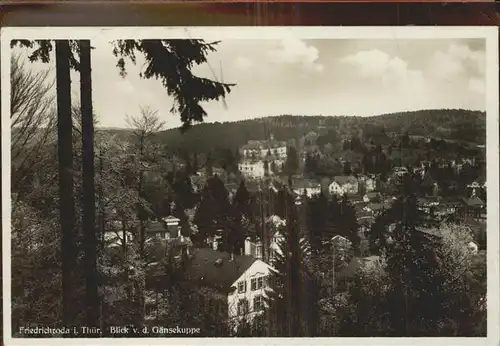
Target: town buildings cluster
[{"x": 242, "y": 281}]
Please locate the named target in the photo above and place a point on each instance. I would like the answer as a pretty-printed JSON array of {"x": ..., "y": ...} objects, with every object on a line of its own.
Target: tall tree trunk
[
  {"x": 66, "y": 198},
  {"x": 89, "y": 212}
]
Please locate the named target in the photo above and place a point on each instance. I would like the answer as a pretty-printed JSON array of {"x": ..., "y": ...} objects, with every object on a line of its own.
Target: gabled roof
[
  {"x": 345, "y": 179},
  {"x": 354, "y": 198},
  {"x": 305, "y": 184},
  {"x": 473, "y": 201},
  {"x": 203, "y": 269},
  {"x": 372, "y": 194}
]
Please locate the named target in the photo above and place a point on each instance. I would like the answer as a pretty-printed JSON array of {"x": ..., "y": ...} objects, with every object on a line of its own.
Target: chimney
[
  {"x": 258, "y": 250},
  {"x": 248, "y": 247}
]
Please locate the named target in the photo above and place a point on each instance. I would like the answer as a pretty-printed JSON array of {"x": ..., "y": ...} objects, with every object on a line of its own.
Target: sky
[{"x": 305, "y": 77}]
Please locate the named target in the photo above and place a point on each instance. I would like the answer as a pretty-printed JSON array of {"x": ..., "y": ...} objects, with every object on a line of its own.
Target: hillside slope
[{"x": 456, "y": 124}]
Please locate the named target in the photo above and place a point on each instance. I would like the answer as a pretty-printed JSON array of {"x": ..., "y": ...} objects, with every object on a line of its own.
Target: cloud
[
  {"x": 380, "y": 67},
  {"x": 456, "y": 61},
  {"x": 374, "y": 63},
  {"x": 297, "y": 52}
]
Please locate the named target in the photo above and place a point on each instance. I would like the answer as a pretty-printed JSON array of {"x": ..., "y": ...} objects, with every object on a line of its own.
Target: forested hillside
[{"x": 457, "y": 124}]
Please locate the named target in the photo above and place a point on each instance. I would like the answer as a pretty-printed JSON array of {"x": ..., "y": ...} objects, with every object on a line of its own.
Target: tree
[
  {"x": 65, "y": 153},
  {"x": 292, "y": 300},
  {"x": 311, "y": 164},
  {"x": 32, "y": 121},
  {"x": 292, "y": 163},
  {"x": 176, "y": 76},
  {"x": 318, "y": 222},
  {"x": 242, "y": 201},
  {"x": 89, "y": 207},
  {"x": 209, "y": 169},
  {"x": 143, "y": 128},
  {"x": 187, "y": 90}
]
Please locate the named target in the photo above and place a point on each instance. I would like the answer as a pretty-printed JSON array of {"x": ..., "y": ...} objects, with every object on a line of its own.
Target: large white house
[
  {"x": 252, "y": 169},
  {"x": 257, "y": 168},
  {"x": 241, "y": 283},
  {"x": 266, "y": 148}
]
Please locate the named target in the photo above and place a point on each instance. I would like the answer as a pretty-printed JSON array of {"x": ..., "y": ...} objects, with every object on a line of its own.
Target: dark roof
[
  {"x": 372, "y": 194},
  {"x": 355, "y": 197},
  {"x": 350, "y": 270},
  {"x": 155, "y": 227},
  {"x": 376, "y": 206},
  {"x": 304, "y": 184},
  {"x": 202, "y": 268},
  {"x": 473, "y": 201},
  {"x": 429, "y": 199}
]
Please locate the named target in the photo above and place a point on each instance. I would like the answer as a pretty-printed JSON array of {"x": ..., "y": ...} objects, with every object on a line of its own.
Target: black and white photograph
[{"x": 251, "y": 182}]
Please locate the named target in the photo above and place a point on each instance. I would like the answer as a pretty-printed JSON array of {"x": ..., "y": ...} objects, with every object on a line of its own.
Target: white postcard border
[{"x": 226, "y": 33}]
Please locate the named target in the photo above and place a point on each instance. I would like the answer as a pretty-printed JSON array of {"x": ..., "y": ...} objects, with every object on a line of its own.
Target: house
[
  {"x": 447, "y": 207},
  {"x": 341, "y": 246},
  {"x": 343, "y": 185},
  {"x": 371, "y": 197},
  {"x": 376, "y": 208},
  {"x": 355, "y": 199},
  {"x": 253, "y": 248},
  {"x": 428, "y": 204},
  {"x": 400, "y": 171},
  {"x": 168, "y": 228},
  {"x": 252, "y": 169},
  {"x": 310, "y": 187},
  {"x": 369, "y": 184},
  {"x": 255, "y": 149},
  {"x": 475, "y": 187},
  {"x": 473, "y": 206},
  {"x": 240, "y": 284}
]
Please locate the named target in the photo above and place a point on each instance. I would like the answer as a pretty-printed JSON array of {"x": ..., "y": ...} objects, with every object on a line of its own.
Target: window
[
  {"x": 242, "y": 286},
  {"x": 242, "y": 307},
  {"x": 258, "y": 303},
  {"x": 257, "y": 283}
]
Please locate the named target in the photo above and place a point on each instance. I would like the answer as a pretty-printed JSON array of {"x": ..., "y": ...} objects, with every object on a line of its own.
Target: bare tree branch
[{"x": 32, "y": 117}]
